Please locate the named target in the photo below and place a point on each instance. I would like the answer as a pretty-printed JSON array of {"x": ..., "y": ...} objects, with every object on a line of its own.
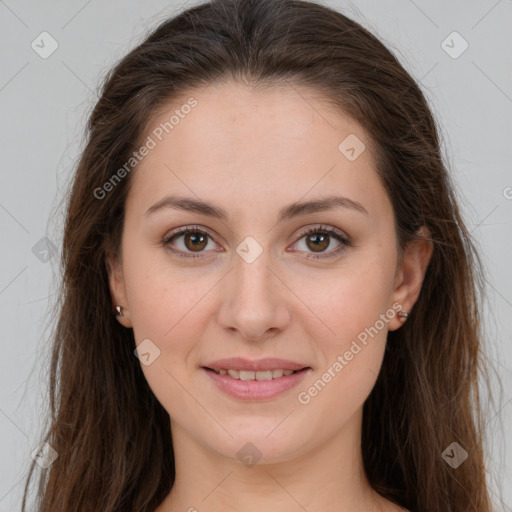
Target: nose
[{"x": 255, "y": 302}]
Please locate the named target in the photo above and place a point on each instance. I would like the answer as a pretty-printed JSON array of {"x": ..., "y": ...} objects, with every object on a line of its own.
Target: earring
[
  {"x": 119, "y": 311},
  {"x": 403, "y": 315}
]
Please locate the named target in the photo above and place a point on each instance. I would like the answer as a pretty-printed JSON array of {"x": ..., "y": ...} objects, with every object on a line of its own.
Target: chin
[{"x": 265, "y": 445}]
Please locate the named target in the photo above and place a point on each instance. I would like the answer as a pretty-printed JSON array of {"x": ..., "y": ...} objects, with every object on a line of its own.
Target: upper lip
[{"x": 240, "y": 363}]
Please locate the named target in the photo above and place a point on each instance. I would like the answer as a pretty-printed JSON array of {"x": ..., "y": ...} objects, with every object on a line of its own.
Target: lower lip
[{"x": 256, "y": 389}]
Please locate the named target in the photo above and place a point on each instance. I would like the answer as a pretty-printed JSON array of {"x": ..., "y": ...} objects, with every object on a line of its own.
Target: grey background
[{"x": 44, "y": 105}]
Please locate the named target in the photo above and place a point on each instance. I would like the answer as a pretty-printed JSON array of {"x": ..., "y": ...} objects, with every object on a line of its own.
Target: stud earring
[
  {"x": 403, "y": 315},
  {"x": 119, "y": 311}
]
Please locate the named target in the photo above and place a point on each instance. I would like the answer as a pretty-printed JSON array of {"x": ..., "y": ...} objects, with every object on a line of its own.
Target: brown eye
[
  {"x": 188, "y": 242},
  {"x": 195, "y": 241},
  {"x": 325, "y": 241},
  {"x": 318, "y": 242}
]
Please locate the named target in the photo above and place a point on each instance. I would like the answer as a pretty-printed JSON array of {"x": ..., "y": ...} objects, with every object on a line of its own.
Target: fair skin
[{"x": 251, "y": 153}]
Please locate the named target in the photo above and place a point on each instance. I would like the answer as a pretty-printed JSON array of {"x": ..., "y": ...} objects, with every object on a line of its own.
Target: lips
[{"x": 255, "y": 380}]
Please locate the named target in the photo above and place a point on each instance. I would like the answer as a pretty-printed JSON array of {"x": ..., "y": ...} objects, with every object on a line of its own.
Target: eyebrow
[{"x": 292, "y": 210}]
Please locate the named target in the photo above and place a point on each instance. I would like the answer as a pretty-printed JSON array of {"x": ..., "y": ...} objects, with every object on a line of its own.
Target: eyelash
[{"x": 324, "y": 230}]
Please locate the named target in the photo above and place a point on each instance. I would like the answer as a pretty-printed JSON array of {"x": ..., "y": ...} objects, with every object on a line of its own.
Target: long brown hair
[{"x": 112, "y": 436}]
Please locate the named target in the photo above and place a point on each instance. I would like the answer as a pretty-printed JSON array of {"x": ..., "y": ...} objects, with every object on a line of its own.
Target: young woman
[{"x": 270, "y": 300}]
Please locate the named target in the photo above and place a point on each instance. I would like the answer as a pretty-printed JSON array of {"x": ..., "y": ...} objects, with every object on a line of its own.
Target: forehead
[
  {"x": 255, "y": 146},
  {"x": 240, "y": 119}
]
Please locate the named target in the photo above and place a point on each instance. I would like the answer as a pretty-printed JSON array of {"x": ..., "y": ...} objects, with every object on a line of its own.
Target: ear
[
  {"x": 117, "y": 287},
  {"x": 411, "y": 273}
]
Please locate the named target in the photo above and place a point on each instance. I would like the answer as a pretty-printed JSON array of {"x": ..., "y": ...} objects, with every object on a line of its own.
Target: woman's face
[{"x": 251, "y": 284}]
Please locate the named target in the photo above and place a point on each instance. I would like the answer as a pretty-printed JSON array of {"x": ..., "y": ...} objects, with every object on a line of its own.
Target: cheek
[
  {"x": 352, "y": 297},
  {"x": 354, "y": 303},
  {"x": 166, "y": 308},
  {"x": 163, "y": 296},
  {"x": 351, "y": 355},
  {"x": 169, "y": 312}
]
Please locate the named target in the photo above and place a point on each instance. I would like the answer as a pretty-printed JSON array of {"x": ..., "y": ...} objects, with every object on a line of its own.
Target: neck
[{"x": 329, "y": 477}]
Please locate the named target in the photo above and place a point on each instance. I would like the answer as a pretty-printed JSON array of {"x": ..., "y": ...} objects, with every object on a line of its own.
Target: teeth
[
  {"x": 264, "y": 375},
  {"x": 252, "y": 375},
  {"x": 247, "y": 375}
]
